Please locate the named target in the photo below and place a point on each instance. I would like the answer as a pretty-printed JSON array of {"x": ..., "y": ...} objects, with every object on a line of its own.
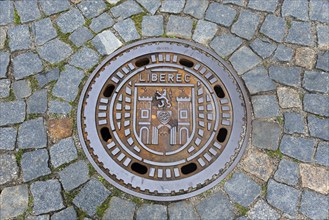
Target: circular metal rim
[{"x": 175, "y": 197}]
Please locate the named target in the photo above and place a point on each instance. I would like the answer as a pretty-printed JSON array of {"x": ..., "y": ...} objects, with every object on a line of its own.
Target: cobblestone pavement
[{"x": 278, "y": 47}]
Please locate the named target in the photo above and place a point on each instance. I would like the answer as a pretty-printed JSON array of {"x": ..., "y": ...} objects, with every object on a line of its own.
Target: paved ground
[{"x": 278, "y": 47}]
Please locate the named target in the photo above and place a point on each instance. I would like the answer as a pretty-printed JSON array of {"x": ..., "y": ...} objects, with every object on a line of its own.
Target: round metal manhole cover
[{"x": 163, "y": 119}]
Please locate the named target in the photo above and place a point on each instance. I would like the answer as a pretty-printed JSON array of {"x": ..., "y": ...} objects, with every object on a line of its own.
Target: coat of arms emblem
[{"x": 164, "y": 116}]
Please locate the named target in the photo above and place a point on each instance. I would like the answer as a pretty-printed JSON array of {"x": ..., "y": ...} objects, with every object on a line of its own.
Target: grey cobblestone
[
  {"x": 196, "y": 8},
  {"x": 8, "y": 168},
  {"x": 246, "y": 25},
  {"x": 182, "y": 210},
  {"x": 54, "y": 51},
  {"x": 225, "y": 44},
  {"x": 22, "y": 89},
  {"x": 274, "y": 27},
  {"x": 58, "y": 107},
  {"x": 63, "y": 152},
  {"x": 314, "y": 205},
  {"x": 179, "y": 26},
  {"x": 127, "y": 30},
  {"x": 150, "y": 5},
  {"x": 288, "y": 172},
  {"x": 316, "y": 104},
  {"x": 283, "y": 197},
  {"x": 70, "y": 21},
  {"x": 120, "y": 209},
  {"x": 257, "y": 80},
  {"x": 262, "y": 210},
  {"x": 151, "y": 211},
  {"x": 6, "y": 12},
  {"x": 67, "y": 214},
  {"x": 290, "y": 76},
  {"x": 220, "y": 14},
  {"x": 12, "y": 112},
  {"x": 85, "y": 58},
  {"x": 204, "y": 32},
  {"x": 19, "y": 38},
  {"x": 152, "y": 25},
  {"x": 92, "y": 9},
  {"x": 322, "y": 61},
  {"x": 172, "y": 6},
  {"x": 101, "y": 22},
  {"x": 244, "y": 59},
  {"x": 74, "y": 175},
  {"x": 4, "y": 62},
  {"x": 92, "y": 195},
  {"x": 263, "y": 48},
  {"x": 50, "y": 7},
  {"x": 242, "y": 189},
  {"x": 322, "y": 33},
  {"x": 47, "y": 77},
  {"x": 106, "y": 42},
  {"x": 322, "y": 153},
  {"x": 319, "y": 10},
  {"x": 80, "y": 36},
  {"x": 68, "y": 83},
  {"x": 46, "y": 196},
  {"x": 8, "y": 138},
  {"x": 22, "y": 65},
  {"x": 37, "y": 103},
  {"x": 260, "y": 137},
  {"x": 217, "y": 206},
  {"x": 265, "y": 106},
  {"x": 294, "y": 123},
  {"x": 297, "y": 9},
  {"x": 34, "y": 164},
  {"x": 268, "y": 6},
  {"x": 126, "y": 9},
  {"x": 297, "y": 147},
  {"x": 32, "y": 134},
  {"x": 283, "y": 53},
  {"x": 300, "y": 33},
  {"x": 13, "y": 201},
  {"x": 43, "y": 31},
  {"x": 27, "y": 10},
  {"x": 4, "y": 88},
  {"x": 318, "y": 127}
]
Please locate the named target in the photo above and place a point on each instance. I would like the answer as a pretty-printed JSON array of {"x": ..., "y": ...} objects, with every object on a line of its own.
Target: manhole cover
[{"x": 163, "y": 119}]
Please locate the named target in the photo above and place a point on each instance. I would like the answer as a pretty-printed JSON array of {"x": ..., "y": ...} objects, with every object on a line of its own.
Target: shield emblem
[{"x": 164, "y": 116}]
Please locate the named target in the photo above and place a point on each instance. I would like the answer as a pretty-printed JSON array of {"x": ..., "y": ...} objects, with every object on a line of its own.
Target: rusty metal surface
[{"x": 163, "y": 119}]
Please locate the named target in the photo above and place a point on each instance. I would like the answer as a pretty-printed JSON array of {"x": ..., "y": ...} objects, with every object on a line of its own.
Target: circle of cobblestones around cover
[{"x": 149, "y": 165}]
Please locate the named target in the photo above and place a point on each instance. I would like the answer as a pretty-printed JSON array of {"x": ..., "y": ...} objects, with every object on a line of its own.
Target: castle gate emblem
[{"x": 164, "y": 118}]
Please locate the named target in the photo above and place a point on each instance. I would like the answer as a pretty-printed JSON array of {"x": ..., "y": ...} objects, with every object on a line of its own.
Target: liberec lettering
[{"x": 164, "y": 77}]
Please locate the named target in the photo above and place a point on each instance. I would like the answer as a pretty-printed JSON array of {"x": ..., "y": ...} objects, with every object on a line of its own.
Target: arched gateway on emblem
[{"x": 159, "y": 100}]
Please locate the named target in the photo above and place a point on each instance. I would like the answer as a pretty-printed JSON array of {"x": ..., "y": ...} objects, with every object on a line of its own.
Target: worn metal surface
[{"x": 163, "y": 119}]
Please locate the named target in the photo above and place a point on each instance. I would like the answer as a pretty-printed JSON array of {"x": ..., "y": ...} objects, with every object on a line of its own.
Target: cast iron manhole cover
[{"x": 163, "y": 119}]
